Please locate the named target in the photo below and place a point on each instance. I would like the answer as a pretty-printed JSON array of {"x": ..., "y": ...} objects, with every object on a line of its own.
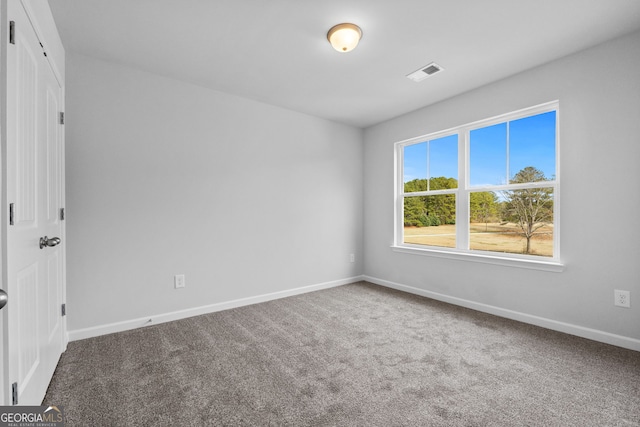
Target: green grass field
[{"x": 484, "y": 237}]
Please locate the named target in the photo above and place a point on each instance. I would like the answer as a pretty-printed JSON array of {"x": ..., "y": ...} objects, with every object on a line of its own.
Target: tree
[
  {"x": 434, "y": 210},
  {"x": 530, "y": 208},
  {"x": 414, "y": 211},
  {"x": 441, "y": 207},
  {"x": 415, "y": 185},
  {"x": 483, "y": 206}
]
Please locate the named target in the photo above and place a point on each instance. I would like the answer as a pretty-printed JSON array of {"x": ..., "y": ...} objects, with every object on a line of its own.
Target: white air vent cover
[{"x": 424, "y": 72}]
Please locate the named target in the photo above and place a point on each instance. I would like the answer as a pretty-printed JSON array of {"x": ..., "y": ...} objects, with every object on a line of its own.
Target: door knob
[
  {"x": 44, "y": 241},
  {"x": 3, "y": 298}
]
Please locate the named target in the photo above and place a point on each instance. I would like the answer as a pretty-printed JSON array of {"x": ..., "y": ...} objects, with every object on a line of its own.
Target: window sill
[{"x": 532, "y": 264}]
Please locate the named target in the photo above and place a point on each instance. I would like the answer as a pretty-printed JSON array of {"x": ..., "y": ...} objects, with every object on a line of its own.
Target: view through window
[{"x": 490, "y": 186}]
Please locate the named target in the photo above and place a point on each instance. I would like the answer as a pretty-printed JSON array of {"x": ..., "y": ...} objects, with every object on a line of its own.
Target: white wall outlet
[
  {"x": 352, "y": 257},
  {"x": 622, "y": 298},
  {"x": 179, "y": 281}
]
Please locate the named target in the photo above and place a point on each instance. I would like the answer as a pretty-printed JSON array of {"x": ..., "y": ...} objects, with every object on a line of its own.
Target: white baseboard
[
  {"x": 196, "y": 311},
  {"x": 592, "y": 334}
]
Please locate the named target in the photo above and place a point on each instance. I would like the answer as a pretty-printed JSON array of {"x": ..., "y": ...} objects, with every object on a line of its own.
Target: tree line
[{"x": 530, "y": 209}]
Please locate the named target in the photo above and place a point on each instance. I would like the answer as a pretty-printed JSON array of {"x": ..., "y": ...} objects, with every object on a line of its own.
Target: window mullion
[
  {"x": 430, "y": 193},
  {"x": 428, "y": 165},
  {"x": 507, "y": 162},
  {"x": 399, "y": 211},
  {"x": 462, "y": 201}
]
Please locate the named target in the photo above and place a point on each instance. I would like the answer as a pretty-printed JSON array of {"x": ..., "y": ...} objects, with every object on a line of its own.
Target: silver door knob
[
  {"x": 3, "y": 298},
  {"x": 46, "y": 242}
]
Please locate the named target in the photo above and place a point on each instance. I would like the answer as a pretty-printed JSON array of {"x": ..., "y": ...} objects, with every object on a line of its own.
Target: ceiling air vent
[{"x": 424, "y": 72}]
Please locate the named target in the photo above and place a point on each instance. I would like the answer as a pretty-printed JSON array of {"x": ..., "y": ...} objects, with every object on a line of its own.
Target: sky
[
  {"x": 431, "y": 159},
  {"x": 531, "y": 142}
]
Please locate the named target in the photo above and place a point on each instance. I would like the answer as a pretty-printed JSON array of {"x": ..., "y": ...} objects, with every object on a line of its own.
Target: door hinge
[
  {"x": 11, "y": 213},
  {"x": 43, "y": 51},
  {"x": 12, "y": 32},
  {"x": 61, "y": 214},
  {"x": 61, "y": 117},
  {"x": 64, "y": 309},
  {"x": 14, "y": 393}
]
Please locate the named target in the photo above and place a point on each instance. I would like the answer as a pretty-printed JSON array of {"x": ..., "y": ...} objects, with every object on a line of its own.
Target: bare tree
[{"x": 530, "y": 208}]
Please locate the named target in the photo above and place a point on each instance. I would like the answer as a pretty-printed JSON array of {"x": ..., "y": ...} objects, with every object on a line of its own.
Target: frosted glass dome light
[{"x": 344, "y": 37}]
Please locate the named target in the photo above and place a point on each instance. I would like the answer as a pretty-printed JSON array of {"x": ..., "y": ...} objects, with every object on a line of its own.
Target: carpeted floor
[{"x": 355, "y": 355}]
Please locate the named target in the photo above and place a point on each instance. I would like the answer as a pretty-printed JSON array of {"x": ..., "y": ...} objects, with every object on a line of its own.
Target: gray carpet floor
[{"x": 355, "y": 355}]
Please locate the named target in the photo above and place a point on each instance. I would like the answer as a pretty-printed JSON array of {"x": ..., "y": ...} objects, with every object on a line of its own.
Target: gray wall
[
  {"x": 599, "y": 94},
  {"x": 168, "y": 178}
]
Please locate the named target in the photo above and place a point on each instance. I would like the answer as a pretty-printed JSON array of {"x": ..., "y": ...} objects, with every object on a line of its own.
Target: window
[{"x": 487, "y": 189}]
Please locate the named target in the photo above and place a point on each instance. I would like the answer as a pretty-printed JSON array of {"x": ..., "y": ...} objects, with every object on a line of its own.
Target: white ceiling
[{"x": 276, "y": 51}]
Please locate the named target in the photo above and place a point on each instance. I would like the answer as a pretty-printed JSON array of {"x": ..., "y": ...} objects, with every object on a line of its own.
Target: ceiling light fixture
[{"x": 344, "y": 37}]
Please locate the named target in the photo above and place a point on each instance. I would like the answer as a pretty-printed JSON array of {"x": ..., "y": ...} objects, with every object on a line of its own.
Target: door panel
[
  {"x": 54, "y": 320},
  {"x": 27, "y": 303},
  {"x": 26, "y": 127},
  {"x": 34, "y": 185},
  {"x": 53, "y": 157}
]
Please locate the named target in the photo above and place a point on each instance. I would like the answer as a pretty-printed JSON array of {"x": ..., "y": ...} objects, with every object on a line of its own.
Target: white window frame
[{"x": 462, "y": 251}]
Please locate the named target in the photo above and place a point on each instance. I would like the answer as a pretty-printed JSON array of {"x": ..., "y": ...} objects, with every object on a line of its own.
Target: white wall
[
  {"x": 168, "y": 178},
  {"x": 599, "y": 93}
]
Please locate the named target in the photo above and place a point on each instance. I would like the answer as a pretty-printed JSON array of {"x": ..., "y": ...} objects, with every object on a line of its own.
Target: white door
[{"x": 34, "y": 167}]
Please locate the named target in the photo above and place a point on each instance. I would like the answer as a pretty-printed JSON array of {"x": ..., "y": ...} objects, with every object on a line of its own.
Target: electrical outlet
[
  {"x": 622, "y": 298},
  {"x": 352, "y": 258},
  {"x": 179, "y": 281}
]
